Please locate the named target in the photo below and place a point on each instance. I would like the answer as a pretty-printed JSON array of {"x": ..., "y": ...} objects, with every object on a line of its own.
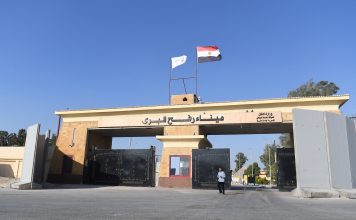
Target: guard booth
[
  {"x": 286, "y": 174},
  {"x": 206, "y": 164},
  {"x": 126, "y": 167}
]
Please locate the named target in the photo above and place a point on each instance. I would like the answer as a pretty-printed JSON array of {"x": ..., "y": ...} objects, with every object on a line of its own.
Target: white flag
[{"x": 177, "y": 61}]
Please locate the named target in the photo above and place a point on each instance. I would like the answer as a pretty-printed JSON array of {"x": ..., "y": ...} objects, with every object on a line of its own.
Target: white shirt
[{"x": 221, "y": 176}]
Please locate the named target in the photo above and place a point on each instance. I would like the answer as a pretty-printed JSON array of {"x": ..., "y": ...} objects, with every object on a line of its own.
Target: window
[{"x": 179, "y": 166}]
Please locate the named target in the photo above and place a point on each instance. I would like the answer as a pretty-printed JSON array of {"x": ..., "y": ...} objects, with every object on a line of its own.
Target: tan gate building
[{"x": 181, "y": 126}]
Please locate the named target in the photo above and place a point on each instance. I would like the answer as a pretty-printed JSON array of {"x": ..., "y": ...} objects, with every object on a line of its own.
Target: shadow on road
[
  {"x": 49, "y": 186},
  {"x": 252, "y": 187}
]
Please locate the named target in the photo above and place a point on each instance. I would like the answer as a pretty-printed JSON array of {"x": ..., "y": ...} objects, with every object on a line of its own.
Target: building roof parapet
[{"x": 338, "y": 99}]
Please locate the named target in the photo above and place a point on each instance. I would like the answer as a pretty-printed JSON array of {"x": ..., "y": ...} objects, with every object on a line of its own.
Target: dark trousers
[{"x": 221, "y": 186}]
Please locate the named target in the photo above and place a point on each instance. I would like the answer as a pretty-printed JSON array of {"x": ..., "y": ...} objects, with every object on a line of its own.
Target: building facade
[{"x": 182, "y": 126}]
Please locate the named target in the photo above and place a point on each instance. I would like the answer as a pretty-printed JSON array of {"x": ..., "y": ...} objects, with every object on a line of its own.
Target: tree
[
  {"x": 240, "y": 160},
  {"x": 285, "y": 140},
  {"x": 322, "y": 88},
  {"x": 262, "y": 181},
  {"x": 13, "y": 139},
  {"x": 53, "y": 140},
  {"x": 269, "y": 161},
  {"x": 310, "y": 88},
  {"x": 21, "y": 137},
  {"x": 3, "y": 138},
  {"x": 253, "y": 169}
]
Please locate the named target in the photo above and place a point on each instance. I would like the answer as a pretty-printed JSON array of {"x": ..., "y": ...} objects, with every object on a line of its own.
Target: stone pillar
[
  {"x": 179, "y": 141},
  {"x": 71, "y": 143}
]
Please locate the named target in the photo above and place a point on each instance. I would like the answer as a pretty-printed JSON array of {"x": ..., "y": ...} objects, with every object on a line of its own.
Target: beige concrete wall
[
  {"x": 64, "y": 146},
  {"x": 99, "y": 141},
  {"x": 178, "y": 140},
  {"x": 133, "y": 116},
  {"x": 179, "y": 145},
  {"x": 171, "y": 151},
  {"x": 184, "y": 99},
  {"x": 11, "y": 161},
  {"x": 181, "y": 130}
]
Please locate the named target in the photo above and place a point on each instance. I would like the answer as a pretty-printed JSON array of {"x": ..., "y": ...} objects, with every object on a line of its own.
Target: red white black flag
[{"x": 208, "y": 54}]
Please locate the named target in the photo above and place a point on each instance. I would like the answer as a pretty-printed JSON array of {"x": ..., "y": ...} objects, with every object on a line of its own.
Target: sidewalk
[{"x": 5, "y": 182}]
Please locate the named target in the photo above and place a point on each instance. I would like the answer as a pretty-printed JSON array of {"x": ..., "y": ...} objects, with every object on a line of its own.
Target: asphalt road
[{"x": 158, "y": 203}]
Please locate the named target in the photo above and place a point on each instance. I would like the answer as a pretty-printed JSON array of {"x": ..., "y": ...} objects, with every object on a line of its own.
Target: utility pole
[
  {"x": 269, "y": 158},
  {"x": 239, "y": 161},
  {"x": 130, "y": 142},
  {"x": 270, "y": 169},
  {"x": 252, "y": 169}
]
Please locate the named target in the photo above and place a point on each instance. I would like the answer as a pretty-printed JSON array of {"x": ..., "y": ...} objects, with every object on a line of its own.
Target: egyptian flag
[{"x": 208, "y": 54}]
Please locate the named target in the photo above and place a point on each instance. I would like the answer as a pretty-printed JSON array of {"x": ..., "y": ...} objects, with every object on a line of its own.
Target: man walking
[{"x": 221, "y": 181}]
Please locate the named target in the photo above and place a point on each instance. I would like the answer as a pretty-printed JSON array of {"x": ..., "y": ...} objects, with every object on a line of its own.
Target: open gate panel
[
  {"x": 206, "y": 164},
  {"x": 286, "y": 174},
  {"x": 130, "y": 167}
]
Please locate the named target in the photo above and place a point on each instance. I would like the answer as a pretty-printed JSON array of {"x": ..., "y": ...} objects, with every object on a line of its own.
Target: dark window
[
  {"x": 179, "y": 166},
  {"x": 67, "y": 164}
]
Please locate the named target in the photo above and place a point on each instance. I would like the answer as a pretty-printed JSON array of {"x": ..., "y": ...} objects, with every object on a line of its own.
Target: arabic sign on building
[
  {"x": 204, "y": 118},
  {"x": 265, "y": 117},
  {"x": 190, "y": 119}
]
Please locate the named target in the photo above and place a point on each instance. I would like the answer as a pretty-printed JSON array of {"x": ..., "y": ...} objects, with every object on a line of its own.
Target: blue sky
[{"x": 95, "y": 54}]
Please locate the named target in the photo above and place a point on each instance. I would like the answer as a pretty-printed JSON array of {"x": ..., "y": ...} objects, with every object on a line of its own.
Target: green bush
[{"x": 261, "y": 181}]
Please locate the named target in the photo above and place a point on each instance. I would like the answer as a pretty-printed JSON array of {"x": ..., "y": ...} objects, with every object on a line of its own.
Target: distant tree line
[{"x": 13, "y": 139}]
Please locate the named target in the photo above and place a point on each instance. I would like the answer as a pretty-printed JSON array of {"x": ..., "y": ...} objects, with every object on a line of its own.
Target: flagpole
[
  {"x": 169, "y": 83},
  {"x": 196, "y": 73}
]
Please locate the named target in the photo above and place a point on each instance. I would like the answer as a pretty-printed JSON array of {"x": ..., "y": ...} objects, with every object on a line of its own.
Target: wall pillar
[
  {"x": 178, "y": 145},
  {"x": 179, "y": 141},
  {"x": 70, "y": 152}
]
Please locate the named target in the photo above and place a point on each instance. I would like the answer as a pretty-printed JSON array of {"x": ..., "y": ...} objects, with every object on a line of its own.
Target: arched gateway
[{"x": 184, "y": 125}]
